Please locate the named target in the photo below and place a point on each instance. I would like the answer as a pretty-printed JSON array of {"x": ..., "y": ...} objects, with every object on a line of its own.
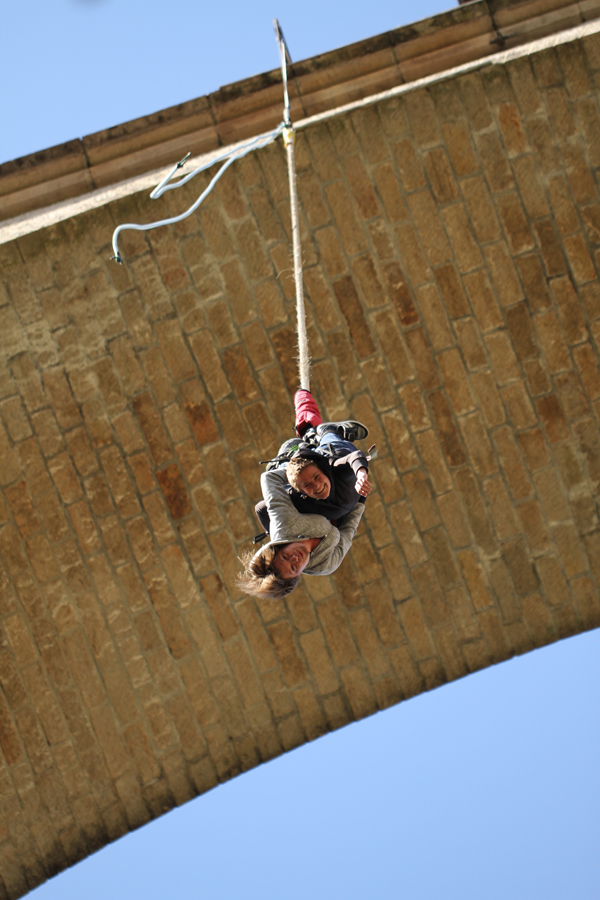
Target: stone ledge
[
  {"x": 78, "y": 202},
  {"x": 237, "y": 111}
]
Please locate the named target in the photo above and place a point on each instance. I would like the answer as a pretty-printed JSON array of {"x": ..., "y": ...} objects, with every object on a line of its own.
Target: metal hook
[
  {"x": 284, "y": 55},
  {"x": 282, "y": 40}
]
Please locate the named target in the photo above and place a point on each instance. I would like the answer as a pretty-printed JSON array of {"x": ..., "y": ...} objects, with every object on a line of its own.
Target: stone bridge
[{"x": 451, "y": 242}]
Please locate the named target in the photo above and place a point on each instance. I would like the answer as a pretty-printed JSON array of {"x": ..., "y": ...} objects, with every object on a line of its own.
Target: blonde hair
[
  {"x": 260, "y": 576},
  {"x": 295, "y": 467}
]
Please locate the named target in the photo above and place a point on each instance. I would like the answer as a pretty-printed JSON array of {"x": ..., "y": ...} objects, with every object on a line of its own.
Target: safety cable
[
  {"x": 230, "y": 157},
  {"x": 287, "y": 129}
]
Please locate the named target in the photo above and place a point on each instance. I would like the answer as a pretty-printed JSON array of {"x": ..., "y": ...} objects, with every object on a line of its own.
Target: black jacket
[{"x": 343, "y": 497}]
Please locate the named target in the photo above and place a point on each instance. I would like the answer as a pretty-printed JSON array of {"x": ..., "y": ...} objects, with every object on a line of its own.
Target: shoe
[
  {"x": 349, "y": 431},
  {"x": 353, "y": 431},
  {"x": 327, "y": 428}
]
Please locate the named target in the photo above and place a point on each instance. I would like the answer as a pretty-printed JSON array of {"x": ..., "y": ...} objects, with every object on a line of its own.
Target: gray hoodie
[{"x": 288, "y": 525}]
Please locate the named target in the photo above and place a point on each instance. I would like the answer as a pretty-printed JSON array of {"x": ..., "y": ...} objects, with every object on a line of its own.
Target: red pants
[{"x": 307, "y": 412}]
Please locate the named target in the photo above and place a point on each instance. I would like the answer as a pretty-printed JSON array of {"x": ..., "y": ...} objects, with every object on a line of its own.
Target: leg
[
  {"x": 309, "y": 417},
  {"x": 307, "y": 412},
  {"x": 262, "y": 514},
  {"x": 332, "y": 443}
]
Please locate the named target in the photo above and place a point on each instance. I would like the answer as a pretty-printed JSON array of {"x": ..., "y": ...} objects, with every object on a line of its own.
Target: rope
[
  {"x": 303, "y": 354},
  {"x": 255, "y": 144},
  {"x": 288, "y": 139}
]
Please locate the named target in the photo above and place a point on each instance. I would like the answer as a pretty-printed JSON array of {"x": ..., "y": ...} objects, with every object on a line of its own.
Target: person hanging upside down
[
  {"x": 322, "y": 484},
  {"x": 327, "y": 479}
]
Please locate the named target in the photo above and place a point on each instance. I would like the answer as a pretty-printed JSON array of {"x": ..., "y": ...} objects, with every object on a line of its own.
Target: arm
[
  {"x": 274, "y": 489},
  {"x": 356, "y": 461},
  {"x": 349, "y": 524},
  {"x": 286, "y": 522},
  {"x": 357, "y": 464},
  {"x": 363, "y": 485},
  {"x": 345, "y": 532}
]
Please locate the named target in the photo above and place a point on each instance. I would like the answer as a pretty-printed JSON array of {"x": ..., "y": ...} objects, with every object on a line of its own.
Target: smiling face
[
  {"x": 291, "y": 560},
  {"x": 314, "y": 483}
]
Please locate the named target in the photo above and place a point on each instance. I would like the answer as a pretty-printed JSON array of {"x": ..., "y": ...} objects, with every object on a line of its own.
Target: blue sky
[
  {"x": 485, "y": 789},
  {"x": 72, "y": 67}
]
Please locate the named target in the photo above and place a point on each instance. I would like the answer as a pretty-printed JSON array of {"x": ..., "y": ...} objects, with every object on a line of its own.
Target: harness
[{"x": 289, "y": 448}]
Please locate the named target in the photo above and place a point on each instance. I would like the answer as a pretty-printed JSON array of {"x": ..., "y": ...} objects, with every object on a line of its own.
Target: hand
[{"x": 363, "y": 485}]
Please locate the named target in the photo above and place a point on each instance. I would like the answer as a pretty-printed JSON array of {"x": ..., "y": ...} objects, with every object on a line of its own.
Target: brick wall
[{"x": 451, "y": 239}]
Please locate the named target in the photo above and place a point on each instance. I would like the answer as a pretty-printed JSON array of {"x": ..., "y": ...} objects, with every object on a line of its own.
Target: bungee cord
[{"x": 288, "y": 140}]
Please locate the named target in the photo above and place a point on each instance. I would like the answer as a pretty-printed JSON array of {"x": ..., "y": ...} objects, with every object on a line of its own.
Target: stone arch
[{"x": 450, "y": 262}]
